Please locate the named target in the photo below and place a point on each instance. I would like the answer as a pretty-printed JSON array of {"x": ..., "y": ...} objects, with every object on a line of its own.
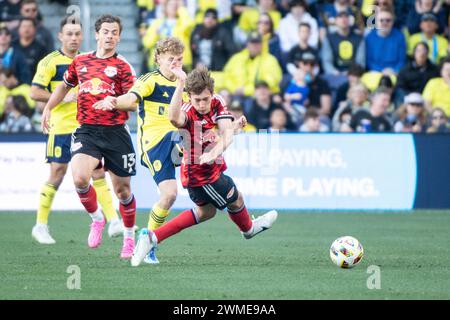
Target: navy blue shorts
[
  {"x": 220, "y": 193},
  {"x": 163, "y": 158},
  {"x": 58, "y": 148}
]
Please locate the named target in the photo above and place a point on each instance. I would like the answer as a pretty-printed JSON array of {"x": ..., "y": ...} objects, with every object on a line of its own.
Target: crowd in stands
[{"x": 287, "y": 65}]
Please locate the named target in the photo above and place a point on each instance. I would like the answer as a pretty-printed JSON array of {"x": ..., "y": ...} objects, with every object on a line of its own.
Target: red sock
[
  {"x": 184, "y": 220},
  {"x": 128, "y": 213},
  {"x": 242, "y": 219},
  {"x": 89, "y": 200}
]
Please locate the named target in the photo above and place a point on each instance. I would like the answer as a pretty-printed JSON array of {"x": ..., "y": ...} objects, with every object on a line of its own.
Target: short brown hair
[
  {"x": 170, "y": 45},
  {"x": 198, "y": 80},
  {"x": 107, "y": 18},
  {"x": 69, "y": 20}
]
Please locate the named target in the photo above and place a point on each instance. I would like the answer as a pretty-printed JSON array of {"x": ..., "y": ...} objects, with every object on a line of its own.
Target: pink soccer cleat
[
  {"x": 127, "y": 248},
  {"x": 95, "y": 235}
]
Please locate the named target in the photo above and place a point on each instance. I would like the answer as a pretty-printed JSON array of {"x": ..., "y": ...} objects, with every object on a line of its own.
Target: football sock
[
  {"x": 105, "y": 199},
  {"x": 241, "y": 218},
  {"x": 127, "y": 209},
  {"x": 184, "y": 220},
  {"x": 128, "y": 233},
  {"x": 48, "y": 192},
  {"x": 88, "y": 198},
  {"x": 157, "y": 217}
]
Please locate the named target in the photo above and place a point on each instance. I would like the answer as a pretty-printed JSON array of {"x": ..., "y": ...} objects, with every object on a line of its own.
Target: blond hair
[{"x": 169, "y": 45}]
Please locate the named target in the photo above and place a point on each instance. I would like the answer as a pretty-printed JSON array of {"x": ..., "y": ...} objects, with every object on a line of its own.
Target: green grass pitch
[{"x": 212, "y": 260}]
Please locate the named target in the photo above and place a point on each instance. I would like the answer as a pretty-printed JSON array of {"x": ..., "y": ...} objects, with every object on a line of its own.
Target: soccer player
[
  {"x": 203, "y": 165},
  {"x": 158, "y": 139},
  {"x": 63, "y": 122},
  {"x": 102, "y": 134}
]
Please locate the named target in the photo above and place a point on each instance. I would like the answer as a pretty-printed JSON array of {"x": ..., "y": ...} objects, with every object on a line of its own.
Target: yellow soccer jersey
[
  {"x": 154, "y": 92},
  {"x": 49, "y": 74}
]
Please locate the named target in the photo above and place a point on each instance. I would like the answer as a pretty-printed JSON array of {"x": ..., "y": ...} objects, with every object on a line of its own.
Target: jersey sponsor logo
[
  {"x": 110, "y": 71},
  {"x": 157, "y": 165},
  {"x": 76, "y": 146},
  {"x": 96, "y": 86}
]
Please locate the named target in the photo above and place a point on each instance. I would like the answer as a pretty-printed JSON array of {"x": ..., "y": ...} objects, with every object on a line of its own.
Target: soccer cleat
[
  {"x": 42, "y": 235},
  {"x": 127, "y": 248},
  {"x": 151, "y": 257},
  {"x": 261, "y": 224},
  {"x": 95, "y": 235},
  {"x": 143, "y": 246},
  {"x": 115, "y": 228}
]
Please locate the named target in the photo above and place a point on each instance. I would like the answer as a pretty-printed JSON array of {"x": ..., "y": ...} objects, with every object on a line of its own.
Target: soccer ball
[{"x": 346, "y": 252}]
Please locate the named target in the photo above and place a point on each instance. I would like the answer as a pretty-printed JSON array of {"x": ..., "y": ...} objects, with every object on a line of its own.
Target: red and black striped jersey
[
  {"x": 96, "y": 79},
  {"x": 199, "y": 136}
]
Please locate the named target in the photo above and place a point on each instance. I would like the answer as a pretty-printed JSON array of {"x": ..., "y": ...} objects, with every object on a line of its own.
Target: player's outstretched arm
[
  {"x": 226, "y": 132},
  {"x": 176, "y": 116},
  {"x": 57, "y": 96},
  {"x": 125, "y": 102}
]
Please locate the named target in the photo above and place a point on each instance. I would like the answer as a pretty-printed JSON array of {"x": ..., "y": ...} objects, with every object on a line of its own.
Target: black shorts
[
  {"x": 220, "y": 193},
  {"x": 112, "y": 143}
]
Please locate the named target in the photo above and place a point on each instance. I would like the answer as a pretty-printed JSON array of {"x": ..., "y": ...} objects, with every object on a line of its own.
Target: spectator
[
  {"x": 10, "y": 13},
  {"x": 27, "y": 43},
  {"x": 278, "y": 121},
  {"x": 374, "y": 119},
  {"x": 270, "y": 41},
  {"x": 422, "y": 7},
  {"x": 355, "y": 72},
  {"x": 10, "y": 85},
  {"x": 29, "y": 9},
  {"x": 437, "y": 90},
  {"x": 261, "y": 107},
  {"x": 328, "y": 13},
  {"x": 251, "y": 65},
  {"x": 197, "y": 9},
  {"x": 237, "y": 111},
  {"x": 341, "y": 49},
  {"x": 357, "y": 100},
  {"x": 12, "y": 58},
  {"x": 312, "y": 122},
  {"x": 417, "y": 72},
  {"x": 436, "y": 43},
  {"x": 211, "y": 45},
  {"x": 387, "y": 40},
  {"x": 438, "y": 122},
  {"x": 175, "y": 22},
  {"x": 248, "y": 20},
  {"x": 16, "y": 116},
  {"x": 295, "y": 54},
  {"x": 411, "y": 115},
  {"x": 292, "y": 21},
  {"x": 319, "y": 91},
  {"x": 296, "y": 96}
]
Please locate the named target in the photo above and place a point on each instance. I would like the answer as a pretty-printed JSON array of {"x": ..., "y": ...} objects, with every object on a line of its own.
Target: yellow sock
[
  {"x": 48, "y": 192},
  {"x": 105, "y": 199},
  {"x": 157, "y": 217}
]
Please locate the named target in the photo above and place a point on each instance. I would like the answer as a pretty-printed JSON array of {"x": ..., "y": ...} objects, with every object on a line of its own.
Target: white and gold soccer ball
[{"x": 346, "y": 252}]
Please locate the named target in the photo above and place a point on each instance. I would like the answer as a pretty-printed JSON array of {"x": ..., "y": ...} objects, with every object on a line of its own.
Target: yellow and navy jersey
[
  {"x": 48, "y": 76},
  {"x": 154, "y": 92}
]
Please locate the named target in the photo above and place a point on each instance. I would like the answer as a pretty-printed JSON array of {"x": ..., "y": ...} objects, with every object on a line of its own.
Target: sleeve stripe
[
  {"x": 225, "y": 116},
  {"x": 222, "y": 101},
  {"x": 137, "y": 95},
  {"x": 67, "y": 83},
  {"x": 38, "y": 85}
]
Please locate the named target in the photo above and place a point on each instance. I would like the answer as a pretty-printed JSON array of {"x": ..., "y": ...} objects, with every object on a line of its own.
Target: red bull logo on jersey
[{"x": 96, "y": 86}]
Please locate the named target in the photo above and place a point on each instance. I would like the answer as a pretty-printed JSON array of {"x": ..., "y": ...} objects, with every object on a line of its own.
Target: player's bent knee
[
  {"x": 123, "y": 192},
  {"x": 81, "y": 181},
  {"x": 236, "y": 205},
  {"x": 169, "y": 197}
]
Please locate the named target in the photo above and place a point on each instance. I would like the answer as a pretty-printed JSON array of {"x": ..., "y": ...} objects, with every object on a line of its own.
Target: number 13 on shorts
[{"x": 129, "y": 160}]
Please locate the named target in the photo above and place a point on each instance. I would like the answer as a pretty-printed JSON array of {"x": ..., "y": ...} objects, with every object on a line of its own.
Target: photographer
[{"x": 411, "y": 115}]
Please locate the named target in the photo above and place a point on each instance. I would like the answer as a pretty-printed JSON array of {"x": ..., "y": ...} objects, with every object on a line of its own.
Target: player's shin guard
[
  {"x": 157, "y": 217},
  {"x": 184, "y": 220},
  {"x": 48, "y": 192},
  {"x": 88, "y": 199},
  {"x": 105, "y": 199},
  {"x": 127, "y": 209},
  {"x": 241, "y": 218}
]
